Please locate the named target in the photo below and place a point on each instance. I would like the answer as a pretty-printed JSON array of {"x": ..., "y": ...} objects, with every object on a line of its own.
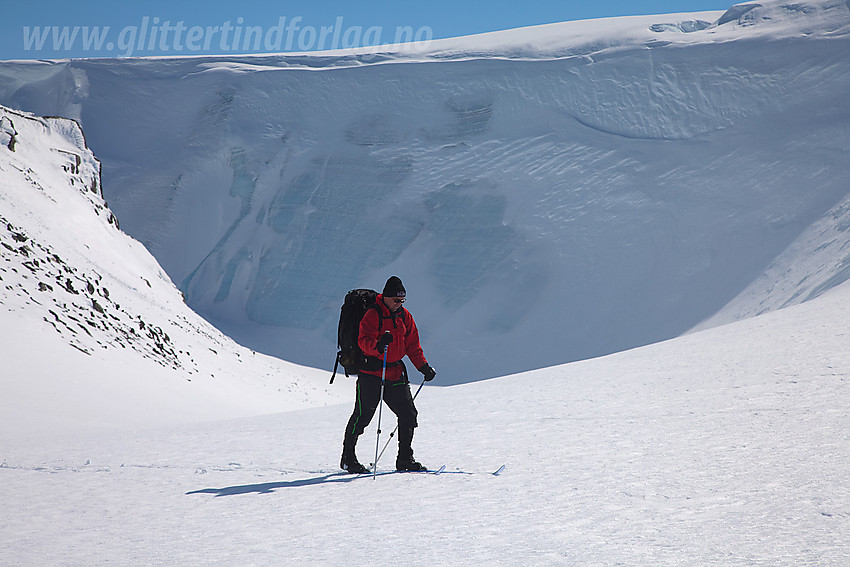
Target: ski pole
[
  {"x": 396, "y": 427},
  {"x": 380, "y": 407}
]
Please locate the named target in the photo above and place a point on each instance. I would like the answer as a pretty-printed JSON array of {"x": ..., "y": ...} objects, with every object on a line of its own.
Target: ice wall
[{"x": 539, "y": 210}]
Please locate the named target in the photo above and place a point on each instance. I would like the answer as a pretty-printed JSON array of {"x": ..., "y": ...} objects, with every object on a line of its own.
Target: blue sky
[{"x": 54, "y": 29}]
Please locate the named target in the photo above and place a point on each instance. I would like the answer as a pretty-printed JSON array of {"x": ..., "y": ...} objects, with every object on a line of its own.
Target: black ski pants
[{"x": 396, "y": 395}]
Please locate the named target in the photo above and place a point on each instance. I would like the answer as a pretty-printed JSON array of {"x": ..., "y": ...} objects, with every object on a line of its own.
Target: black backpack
[{"x": 352, "y": 359}]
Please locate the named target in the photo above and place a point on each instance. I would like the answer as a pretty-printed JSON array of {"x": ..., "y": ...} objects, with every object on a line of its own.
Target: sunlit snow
[{"x": 547, "y": 194}]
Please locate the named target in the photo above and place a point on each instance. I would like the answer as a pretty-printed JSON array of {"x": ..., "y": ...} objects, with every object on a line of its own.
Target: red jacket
[{"x": 405, "y": 338}]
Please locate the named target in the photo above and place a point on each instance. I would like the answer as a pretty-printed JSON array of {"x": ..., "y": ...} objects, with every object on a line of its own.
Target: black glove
[
  {"x": 385, "y": 339},
  {"x": 427, "y": 371}
]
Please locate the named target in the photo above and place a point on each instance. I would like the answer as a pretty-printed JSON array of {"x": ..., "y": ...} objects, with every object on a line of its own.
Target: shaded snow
[
  {"x": 547, "y": 194},
  {"x": 92, "y": 331},
  {"x": 727, "y": 446}
]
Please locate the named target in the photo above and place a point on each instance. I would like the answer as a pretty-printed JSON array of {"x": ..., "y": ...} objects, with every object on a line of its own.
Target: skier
[{"x": 388, "y": 330}]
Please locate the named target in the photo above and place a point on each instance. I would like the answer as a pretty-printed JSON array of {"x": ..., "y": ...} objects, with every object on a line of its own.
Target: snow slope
[
  {"x": 726, "y": 447},
  {"x": 92, "y": 331},
  {"x": 547, "y": 194}
]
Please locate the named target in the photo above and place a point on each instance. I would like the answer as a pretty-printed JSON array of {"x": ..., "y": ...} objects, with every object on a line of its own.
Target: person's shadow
[{"x": 269, "y": 487}]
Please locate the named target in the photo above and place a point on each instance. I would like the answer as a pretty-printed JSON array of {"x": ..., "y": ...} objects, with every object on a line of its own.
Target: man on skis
[{"x": 387, "y": 330}]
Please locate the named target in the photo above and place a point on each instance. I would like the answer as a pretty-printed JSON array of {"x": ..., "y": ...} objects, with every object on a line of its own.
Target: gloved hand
[
  {"x": 385, "y": 339},
  {"x": 427, "y": 371}
]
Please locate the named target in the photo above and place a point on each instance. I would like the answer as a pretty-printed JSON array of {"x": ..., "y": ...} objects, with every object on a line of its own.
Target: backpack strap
[
  {"x": 336, "y": 365},
  {"x": 375, "y": 364},
  {"x": 380, "y": 314}
]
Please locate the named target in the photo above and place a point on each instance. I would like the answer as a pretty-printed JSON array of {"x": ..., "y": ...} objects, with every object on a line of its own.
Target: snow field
[
  {"x": 725, "y": 447},
  {"x": 93, "y": 333},
  {"x": 639, "y": 173},
  {"x": 722, "y": 447}
]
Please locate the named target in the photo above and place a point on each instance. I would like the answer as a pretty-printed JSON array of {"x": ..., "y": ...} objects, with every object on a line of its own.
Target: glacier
[
  {"x": 93, "y": 333},
  {"x": 547, "y": 194},
  {"x": 134, "y": 433}
]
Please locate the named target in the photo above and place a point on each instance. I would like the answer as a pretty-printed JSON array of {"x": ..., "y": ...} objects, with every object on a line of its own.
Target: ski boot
[
  {"x": 405, "y": 462},
  {"x": 349, "y": 462}
]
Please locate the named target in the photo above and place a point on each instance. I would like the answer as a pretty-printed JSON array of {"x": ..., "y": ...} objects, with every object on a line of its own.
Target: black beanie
[{"x": 394, "y": 288}]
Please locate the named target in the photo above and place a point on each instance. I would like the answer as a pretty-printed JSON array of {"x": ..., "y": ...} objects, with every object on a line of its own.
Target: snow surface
[
  {"x": 92, "y": 330},
  {"x": 134, "y": 433},
  {"x": 725, "y": 447},
  {"x": 547, "y": 194}
]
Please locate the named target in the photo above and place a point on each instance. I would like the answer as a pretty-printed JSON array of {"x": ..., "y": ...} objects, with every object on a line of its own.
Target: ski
[
  {"x": 426, "y": 471},
  {"x": 440, "y": 470},
  {"x": 423, "y": 471},
  {"x": 497, "y": 472}
]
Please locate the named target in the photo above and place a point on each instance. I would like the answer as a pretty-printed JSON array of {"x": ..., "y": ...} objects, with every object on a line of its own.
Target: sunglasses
[{"x": 397, "y": 299}]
